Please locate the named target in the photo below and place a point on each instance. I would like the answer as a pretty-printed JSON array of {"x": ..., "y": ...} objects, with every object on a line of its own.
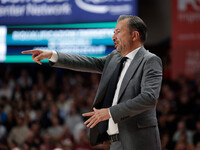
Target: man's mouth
[{"x": 116, "y": 44}]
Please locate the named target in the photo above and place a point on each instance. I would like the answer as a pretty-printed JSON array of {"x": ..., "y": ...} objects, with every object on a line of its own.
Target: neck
[{"x": 133, "y": 47}]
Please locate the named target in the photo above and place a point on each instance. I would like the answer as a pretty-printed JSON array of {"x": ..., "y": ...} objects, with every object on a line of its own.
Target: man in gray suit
[{"x": 131, "y": 114}]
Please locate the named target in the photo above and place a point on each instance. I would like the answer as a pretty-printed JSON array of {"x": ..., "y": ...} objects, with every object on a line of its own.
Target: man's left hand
[{"x": 96, "y": 116}]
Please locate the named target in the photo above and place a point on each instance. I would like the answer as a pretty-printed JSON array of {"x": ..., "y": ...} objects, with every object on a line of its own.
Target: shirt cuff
[{"x": 54, "y": 57}]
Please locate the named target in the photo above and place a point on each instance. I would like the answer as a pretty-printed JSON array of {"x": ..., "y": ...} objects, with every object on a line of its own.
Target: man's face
[{"x": 122, "y": 37}]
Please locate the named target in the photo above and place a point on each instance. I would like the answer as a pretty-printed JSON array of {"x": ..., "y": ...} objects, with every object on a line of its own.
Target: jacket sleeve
[
  {"x": 147, "y": 98},
  {"x": 79, "y": 62}
]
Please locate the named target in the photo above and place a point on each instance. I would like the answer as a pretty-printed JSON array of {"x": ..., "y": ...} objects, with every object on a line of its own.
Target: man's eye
[{"x": 116, "y": 32}]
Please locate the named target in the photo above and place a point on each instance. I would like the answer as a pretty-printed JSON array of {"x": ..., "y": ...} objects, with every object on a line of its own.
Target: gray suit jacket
[{"x": 135, "y": 112}]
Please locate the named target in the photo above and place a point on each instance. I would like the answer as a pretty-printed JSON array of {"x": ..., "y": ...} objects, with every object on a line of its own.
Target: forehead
[{"x": 122, "y": 24}]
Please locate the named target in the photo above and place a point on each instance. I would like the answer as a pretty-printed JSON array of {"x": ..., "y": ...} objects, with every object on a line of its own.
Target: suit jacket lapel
[
  {"x": 131, "y": 70},
  {"x": 105, "y": 79}
]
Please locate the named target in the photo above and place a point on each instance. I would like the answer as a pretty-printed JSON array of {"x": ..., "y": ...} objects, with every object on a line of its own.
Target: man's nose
[{"x": 114, "y": 37}]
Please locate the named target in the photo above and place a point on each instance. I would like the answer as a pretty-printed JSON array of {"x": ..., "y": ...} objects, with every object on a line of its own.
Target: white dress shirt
[
  {"x": 113, "y": 127},
  {"x": 54, "y": 56}
]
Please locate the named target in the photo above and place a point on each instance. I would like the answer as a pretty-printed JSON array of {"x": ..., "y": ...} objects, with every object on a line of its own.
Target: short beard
[
  {"x": 122, "y": 49},
  {"x": 118, "y": 50}
]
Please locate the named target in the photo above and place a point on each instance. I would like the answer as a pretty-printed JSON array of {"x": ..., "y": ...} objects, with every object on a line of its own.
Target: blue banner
[{"x": 24, "y": 12}]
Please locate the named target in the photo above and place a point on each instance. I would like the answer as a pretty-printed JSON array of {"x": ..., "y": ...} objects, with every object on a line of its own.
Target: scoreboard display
[
  {"x": 74, "y": 26},
  {"x": 91, "y": 39}
]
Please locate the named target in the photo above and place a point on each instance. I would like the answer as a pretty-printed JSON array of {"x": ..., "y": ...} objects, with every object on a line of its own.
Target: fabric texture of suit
[{"x": 135, "y": 112}]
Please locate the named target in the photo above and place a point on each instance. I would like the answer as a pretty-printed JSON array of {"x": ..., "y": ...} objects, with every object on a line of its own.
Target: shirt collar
[{"x": 132, "y": 54}]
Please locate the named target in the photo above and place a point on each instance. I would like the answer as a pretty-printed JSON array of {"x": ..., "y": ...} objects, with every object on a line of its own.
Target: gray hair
[{"x": 135, "y": 23}]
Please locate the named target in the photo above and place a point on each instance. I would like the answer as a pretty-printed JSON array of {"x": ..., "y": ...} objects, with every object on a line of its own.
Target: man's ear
[{"x": 135, "y": 35}]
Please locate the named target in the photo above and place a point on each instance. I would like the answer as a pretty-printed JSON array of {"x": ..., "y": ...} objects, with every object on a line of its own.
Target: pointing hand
[{"x": 38, "y": 55}]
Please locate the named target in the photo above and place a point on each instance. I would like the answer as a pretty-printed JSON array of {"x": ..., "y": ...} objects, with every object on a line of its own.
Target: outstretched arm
[{"x": 69, "y": 61}]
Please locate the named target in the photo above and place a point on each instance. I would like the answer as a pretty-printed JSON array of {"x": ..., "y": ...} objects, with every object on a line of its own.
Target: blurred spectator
[
  {"x": 56, "y": 130},
  {"x": 180, "y": 146},
  {"x": 17, "y": 93},
  {"x": 5, "y": 91},
  {"x": 11, "y": 121},
  {"x": 42, "y": 115},
  {"x": 167, "y": 118},
  {"x": 36, "y": 129},
  {"x": 3, "y": 136},
  {"x": 67, "y": 139},
  {"x": 73, "y": 118},
  {"x": 24, "y": 80},
  {"x": 54, "y": 112},
  {"x": 51, "y": 83},
  {"x": 83, "y": 142},
  {"x": 182, "y": 134},
  {"x": 3, "y": 116},
  {"x": 47, "y": 142},
  {"x": 63, "y": 104},
  {"x": 20, "y": 132},
  {"x": 29, "y": 111},
  {"x": 185, "y": 107},
  {"x": 6, "y": 106},
  {"x": 166, "y": 142},
  {"x": 37, "y": 92},
  {"x": 31, "y": 141}
]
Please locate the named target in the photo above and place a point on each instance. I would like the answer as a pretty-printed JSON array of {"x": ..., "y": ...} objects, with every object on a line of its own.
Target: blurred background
[{"x": 41, "y": 107}]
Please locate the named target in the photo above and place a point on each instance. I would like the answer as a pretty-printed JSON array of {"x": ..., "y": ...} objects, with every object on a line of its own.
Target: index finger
[
  {"x": 29, "y": 52},
  {"x": 88, "y": 114}
]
